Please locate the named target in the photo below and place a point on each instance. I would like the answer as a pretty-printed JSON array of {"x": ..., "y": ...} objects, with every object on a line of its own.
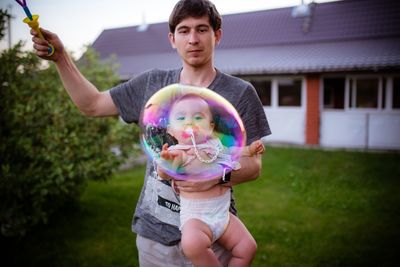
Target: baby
[{"x": 205, "y": 216}]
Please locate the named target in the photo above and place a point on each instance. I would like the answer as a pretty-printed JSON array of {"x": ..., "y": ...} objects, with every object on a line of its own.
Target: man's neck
[{"x": 201, "y": 77}]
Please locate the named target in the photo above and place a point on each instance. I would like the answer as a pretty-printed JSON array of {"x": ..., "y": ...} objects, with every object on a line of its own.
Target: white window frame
[
  {"x": 274, "y": 90},
  {"x": 322, "y": 92},
  {"x": 262, "y": 79},
  {"x": 389, "y": 92},
  {"x": 352, "y": 78},
  {"x": 352, "y": 106}
]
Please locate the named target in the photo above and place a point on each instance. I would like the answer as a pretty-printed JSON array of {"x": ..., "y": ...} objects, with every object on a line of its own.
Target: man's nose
[{"x": 193, "y": 38}]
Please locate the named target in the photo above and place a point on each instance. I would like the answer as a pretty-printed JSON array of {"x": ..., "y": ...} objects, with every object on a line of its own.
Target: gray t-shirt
[{"x": 157, "y": 212}]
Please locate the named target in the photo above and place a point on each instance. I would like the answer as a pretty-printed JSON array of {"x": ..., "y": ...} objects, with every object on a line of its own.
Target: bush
[{"x": 48, "y": 149}]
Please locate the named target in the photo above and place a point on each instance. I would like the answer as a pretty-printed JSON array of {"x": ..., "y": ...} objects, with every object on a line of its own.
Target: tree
[
  {"x": 4, "y": 16},
  {"x": 48, "y": 149}
]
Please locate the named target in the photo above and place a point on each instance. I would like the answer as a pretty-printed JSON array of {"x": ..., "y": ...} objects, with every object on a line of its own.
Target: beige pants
[{"x": 154, "y": 254}]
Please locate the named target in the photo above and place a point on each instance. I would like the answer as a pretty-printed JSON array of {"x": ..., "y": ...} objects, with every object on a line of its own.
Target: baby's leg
[
  {"x": 196, "y": 244},
  {"x": 240, "y": 242}
]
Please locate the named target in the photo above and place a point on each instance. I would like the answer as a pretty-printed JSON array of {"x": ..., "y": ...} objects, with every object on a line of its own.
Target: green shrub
[
  {"x": 48, "y": 149},
  {"x": 4, "y": 16}
]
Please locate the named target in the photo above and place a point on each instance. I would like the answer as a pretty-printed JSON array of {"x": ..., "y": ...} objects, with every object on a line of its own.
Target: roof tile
[{"x": 343, "y": 35}]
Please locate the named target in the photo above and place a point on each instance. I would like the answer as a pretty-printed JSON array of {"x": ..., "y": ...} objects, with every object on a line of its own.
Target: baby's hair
[
  {"x": 185, "y": 96},
  {"x": 189, "y": 96},
  {"x": 222, "y": 123}
]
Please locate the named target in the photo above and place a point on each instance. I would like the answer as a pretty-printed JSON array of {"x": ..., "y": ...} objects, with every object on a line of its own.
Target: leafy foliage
[
  {"x": 48, "y": 149},
  {"x": 3, "y": 17}
]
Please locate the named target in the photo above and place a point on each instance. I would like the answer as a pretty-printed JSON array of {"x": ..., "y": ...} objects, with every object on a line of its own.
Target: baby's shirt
[{"x": 211, "y": 147}]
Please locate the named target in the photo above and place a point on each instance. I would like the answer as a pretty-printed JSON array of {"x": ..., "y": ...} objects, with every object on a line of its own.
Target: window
[
  {"x": 334, "y": 89},
  {"x": 364, "y": 93},
  {"x": 263, "y": 89},
  {"x": 396, "y": 93},
  {"x": 383, "y": 103},
  {"x": 289, "y": 93},
  {"x": 367, "y": 93}
]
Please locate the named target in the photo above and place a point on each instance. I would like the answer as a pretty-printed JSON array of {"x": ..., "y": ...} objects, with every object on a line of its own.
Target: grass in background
[
  {"x": 96, "y": 231},
  {"x": 309, "y": 208},
  {"x": 324, "y": 208}
]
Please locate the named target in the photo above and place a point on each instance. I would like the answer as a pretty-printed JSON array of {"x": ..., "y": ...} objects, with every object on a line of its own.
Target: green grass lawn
[{"x": 309, "y": 208}]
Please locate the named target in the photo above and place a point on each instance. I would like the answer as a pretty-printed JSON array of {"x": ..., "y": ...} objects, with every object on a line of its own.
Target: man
[{"x": 195, "y": 30}]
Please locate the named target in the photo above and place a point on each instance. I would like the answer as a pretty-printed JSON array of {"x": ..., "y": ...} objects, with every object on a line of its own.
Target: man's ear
[
  {"x": 171, "y": 38},
  {"x": 218, "y": 36}
]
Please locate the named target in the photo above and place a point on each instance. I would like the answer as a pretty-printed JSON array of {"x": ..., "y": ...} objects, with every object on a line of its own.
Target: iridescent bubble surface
[{"x": 191, "y": 132}]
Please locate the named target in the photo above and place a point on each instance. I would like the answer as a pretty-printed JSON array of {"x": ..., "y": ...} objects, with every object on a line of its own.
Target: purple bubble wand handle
[{"x": 25, "y": 7}]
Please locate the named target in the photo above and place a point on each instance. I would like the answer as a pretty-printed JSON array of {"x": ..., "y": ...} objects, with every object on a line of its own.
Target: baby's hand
[
  {"x": 176, "y": 157},
  {"x": 165, "y": 154},
  {"x": 256, "y": 148}
]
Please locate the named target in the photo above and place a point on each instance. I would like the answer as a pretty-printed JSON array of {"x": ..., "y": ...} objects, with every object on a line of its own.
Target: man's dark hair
[{"x": 196, "y": 9}]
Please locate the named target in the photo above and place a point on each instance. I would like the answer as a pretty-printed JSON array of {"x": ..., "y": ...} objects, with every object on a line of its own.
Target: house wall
[
  {"x": 360, "y": 130},
  {"x": 349, "y": 126},
  {"x": 362, "y": 127},
  {"x": 287, "y": 125},
  {"x": 287, "y": 121}
]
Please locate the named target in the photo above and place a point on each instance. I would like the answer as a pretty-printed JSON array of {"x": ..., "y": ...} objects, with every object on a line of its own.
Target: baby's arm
[
  {"x": 175, "y": 157},
  {"x": 255, "y": 148}
]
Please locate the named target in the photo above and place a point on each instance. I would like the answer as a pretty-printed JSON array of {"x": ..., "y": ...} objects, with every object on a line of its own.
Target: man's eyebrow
[
  {"x": 182, "y": 27},
  {"x": 197, "y": 26}
]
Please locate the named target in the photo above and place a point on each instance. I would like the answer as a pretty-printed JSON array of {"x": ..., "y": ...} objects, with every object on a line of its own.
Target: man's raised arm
[{"x": 83, "y": 93}]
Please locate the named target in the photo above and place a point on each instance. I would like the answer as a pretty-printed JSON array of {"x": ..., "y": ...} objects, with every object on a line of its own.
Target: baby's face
[{"x": 190, "y": 113}]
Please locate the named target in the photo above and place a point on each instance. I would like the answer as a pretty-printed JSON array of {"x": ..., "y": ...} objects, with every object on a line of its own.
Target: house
[{"x": 328, "y": 74}]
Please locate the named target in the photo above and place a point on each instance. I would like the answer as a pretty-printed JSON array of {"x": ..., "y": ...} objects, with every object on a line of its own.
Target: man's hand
[
  {"x": 42, "y": 46},
  {"x": 196, "y": 185},
  {"x": 201, "y": 184}
]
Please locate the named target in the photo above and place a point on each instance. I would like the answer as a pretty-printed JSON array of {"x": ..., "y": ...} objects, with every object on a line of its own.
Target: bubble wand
[{"x": 33, "y": 22}]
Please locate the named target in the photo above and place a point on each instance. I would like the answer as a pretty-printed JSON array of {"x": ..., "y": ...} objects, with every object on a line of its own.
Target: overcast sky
[{"x": 80, "y": 22}]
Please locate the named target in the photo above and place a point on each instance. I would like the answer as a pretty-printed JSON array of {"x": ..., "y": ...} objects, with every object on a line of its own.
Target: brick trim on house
[{"x": 312, "y": 111}]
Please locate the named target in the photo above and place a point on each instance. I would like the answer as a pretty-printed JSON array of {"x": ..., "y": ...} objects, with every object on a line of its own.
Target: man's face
[
  {"x": 190, "y": 113},
  {"x": 195, "y": 40}
]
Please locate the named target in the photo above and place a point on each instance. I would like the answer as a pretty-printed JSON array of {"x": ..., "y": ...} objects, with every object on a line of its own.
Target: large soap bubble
[{"x": 192, "y": 132}]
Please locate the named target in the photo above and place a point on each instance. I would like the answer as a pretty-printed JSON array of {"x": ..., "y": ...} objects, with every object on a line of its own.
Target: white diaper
[{"x": 213, "y": 211}]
